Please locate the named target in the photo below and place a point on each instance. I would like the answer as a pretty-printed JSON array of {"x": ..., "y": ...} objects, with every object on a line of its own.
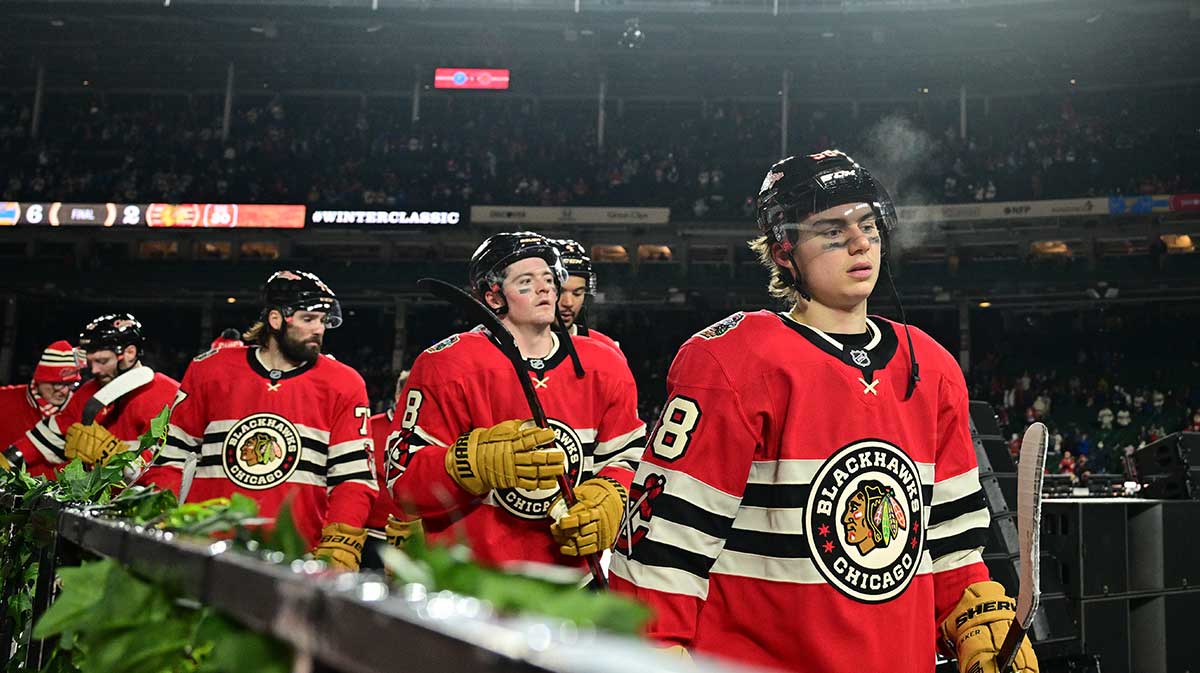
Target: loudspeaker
[
  {"x": 1162, "y": 468},
  {"x": 985, "y": 429}
]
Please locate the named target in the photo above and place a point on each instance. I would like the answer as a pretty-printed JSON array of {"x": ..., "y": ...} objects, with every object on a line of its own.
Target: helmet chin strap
[
  {"x": 797, "y": 282},
  {"x": 914, "y": 373}
]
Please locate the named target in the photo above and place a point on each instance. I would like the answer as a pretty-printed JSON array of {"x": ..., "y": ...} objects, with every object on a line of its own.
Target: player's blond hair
[
  {"x": 257, "y": 334},
  {"x": 780, "y": 285}
]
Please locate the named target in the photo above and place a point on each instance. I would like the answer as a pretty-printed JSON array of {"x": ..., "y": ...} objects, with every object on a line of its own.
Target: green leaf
[
  {"x": 285, "y": 538},
  {"x": 242, "y": 506},
  {"x": 82, "y": 591},
  {"x": 139, "y": 650},
  {"x": 450, "y": 568},
  {"x": 157, "y": 431},
  {"x": 235, "y": 649}
]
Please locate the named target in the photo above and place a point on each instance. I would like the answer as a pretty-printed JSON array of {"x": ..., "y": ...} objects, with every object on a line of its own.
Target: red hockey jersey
[
  {"x": 381, "y": 430},
  {"x": 601, "y": 337},
  {"x": 465, "y": 382},
  {"x": 271, "y": 435},
  {"x": 19, "y": 413},
  {"x": 792, "y": 510},
  {"x": 128, "y": 418}
]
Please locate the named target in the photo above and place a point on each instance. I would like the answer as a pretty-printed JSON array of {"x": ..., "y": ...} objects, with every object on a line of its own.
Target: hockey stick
[
  {"x": 119, "y": 387},
  {"x": 1030, "y": 472},
  {"x": 504, "y": 339}
]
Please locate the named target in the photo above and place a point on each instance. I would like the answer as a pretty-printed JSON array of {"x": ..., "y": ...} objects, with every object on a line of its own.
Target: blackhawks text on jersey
[
  {"x": 271, "y": 436},
  {"x": 464, "y": 382},
  {"x": 791, "y": 510},
  {"x": 128, "y": 418}
]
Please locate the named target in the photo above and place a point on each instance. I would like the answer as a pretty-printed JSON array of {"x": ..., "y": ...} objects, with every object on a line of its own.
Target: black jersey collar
[
  {"x": 875, "y": 355},
  {"x": 257, "y": 367},
  {"x": 537, "y": 365}
]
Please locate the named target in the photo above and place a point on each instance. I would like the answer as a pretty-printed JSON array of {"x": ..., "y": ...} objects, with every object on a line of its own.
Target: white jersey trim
[
  {"x": 958, "y": 559},
  {"x": 683, "y": 537},
  {"x": 953, "y": 488},
  {"x": 616, "y": 444},
  {"x": 979, "y": 518},
  {"x": 785, "y": 520},
  {"x": 659, "y": 578},
  {"x": 686, "y": 487}
]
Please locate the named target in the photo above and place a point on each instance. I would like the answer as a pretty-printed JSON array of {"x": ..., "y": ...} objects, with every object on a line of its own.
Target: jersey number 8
[
  {"x": 675, "y": 427},
  {"x": 412, "y": 407}
]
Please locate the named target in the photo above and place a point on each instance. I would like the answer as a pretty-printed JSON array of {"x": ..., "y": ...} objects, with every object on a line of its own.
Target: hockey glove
[
  {"x": 677, "y": 652},
  {"x": 11, "y": 460},
  {"x": 341, "y": 546},
  {"x": 590, "y": 526},
  {"x": 398, "y": 532},
  {"x": 505, "y": 455},
  {"x": 977, "y": 627},
  {"x": 93, "y": 444}
]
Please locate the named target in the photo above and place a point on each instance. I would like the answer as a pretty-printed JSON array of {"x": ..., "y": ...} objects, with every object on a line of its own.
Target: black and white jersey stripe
[{"x": 696, "y": 530}]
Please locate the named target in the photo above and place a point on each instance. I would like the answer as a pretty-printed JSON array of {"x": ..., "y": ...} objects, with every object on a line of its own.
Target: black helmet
[
  {"x": 576, "y": 261},
  {"x": 292, "y": 290},
  {"x": 799, "y": 186},
  {"x": 111, "y": 332},
  {"x": 496, "y": 253}
]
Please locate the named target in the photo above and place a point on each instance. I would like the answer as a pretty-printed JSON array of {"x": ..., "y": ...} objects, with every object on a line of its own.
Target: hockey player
[
  {"x": 386, "y": 521},
  {"x": 803, "y": 503},
  {"x": 580, "y": 284},
  {"x": 278, "y": 420},
  {"x": 22, "y": 406},
  {"x": 113, "y": 346},
  {"x": 471, "y": 470}
]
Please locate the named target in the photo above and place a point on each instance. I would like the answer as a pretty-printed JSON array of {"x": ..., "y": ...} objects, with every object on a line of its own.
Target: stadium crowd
[{"x": 699, "y": 160}]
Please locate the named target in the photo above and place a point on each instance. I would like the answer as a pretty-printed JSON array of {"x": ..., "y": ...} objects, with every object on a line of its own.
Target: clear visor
[{"x": 331, "y": 308}]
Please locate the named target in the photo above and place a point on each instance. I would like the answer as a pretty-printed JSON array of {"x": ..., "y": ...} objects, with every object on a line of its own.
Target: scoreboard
[{"x": 199, "y": 215}]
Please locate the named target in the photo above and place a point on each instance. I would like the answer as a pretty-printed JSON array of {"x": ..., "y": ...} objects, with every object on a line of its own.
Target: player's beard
[{"x": 296, "y": 350}]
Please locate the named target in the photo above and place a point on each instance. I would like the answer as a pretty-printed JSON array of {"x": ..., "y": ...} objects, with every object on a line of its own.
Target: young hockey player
[
  {"x": 471, "y": 470},
  {"x": 807, "y": 501},
  {"x": 278, "y": 420}
]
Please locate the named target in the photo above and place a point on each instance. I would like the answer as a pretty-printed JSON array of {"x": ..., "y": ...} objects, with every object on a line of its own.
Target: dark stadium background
[{"x": 331, "y": 104}]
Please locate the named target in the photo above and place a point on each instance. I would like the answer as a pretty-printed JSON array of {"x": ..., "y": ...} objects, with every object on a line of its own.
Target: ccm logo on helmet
[
  {"x": 976, "y": 610},
  {"x": 836, "y": 175}
]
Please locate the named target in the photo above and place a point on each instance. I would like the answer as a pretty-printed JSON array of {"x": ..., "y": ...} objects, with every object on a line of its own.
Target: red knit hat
[{"x": 58, "y": 364}]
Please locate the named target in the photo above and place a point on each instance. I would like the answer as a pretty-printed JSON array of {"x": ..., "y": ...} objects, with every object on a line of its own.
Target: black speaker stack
[{"x": 1120, "y": 575}]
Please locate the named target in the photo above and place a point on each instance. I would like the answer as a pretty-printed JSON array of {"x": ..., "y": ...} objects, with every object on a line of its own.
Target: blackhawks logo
[
  {"x": 864, "y": 521},
  {"x": 261, "y": 451},
  {"x": 536, "y": 504}
]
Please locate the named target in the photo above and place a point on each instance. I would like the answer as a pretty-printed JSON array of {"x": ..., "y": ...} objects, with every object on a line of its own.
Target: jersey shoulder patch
[
  {"x": 443, "y": 344},
  {"x": 722, "y": 327},
  {"x": 206, "y": 355}
]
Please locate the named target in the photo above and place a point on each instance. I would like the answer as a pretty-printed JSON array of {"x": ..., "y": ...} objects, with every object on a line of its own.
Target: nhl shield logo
[
  {"x": 860, "y": 358},
  {"x": 536, "y": 504},
  {"x": 864, "y": 521},
  {"x": 261, "y": 451}
]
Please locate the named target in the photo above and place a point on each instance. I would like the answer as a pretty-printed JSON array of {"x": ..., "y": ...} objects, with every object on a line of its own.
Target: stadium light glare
[{"x": 985, "y": 304}]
